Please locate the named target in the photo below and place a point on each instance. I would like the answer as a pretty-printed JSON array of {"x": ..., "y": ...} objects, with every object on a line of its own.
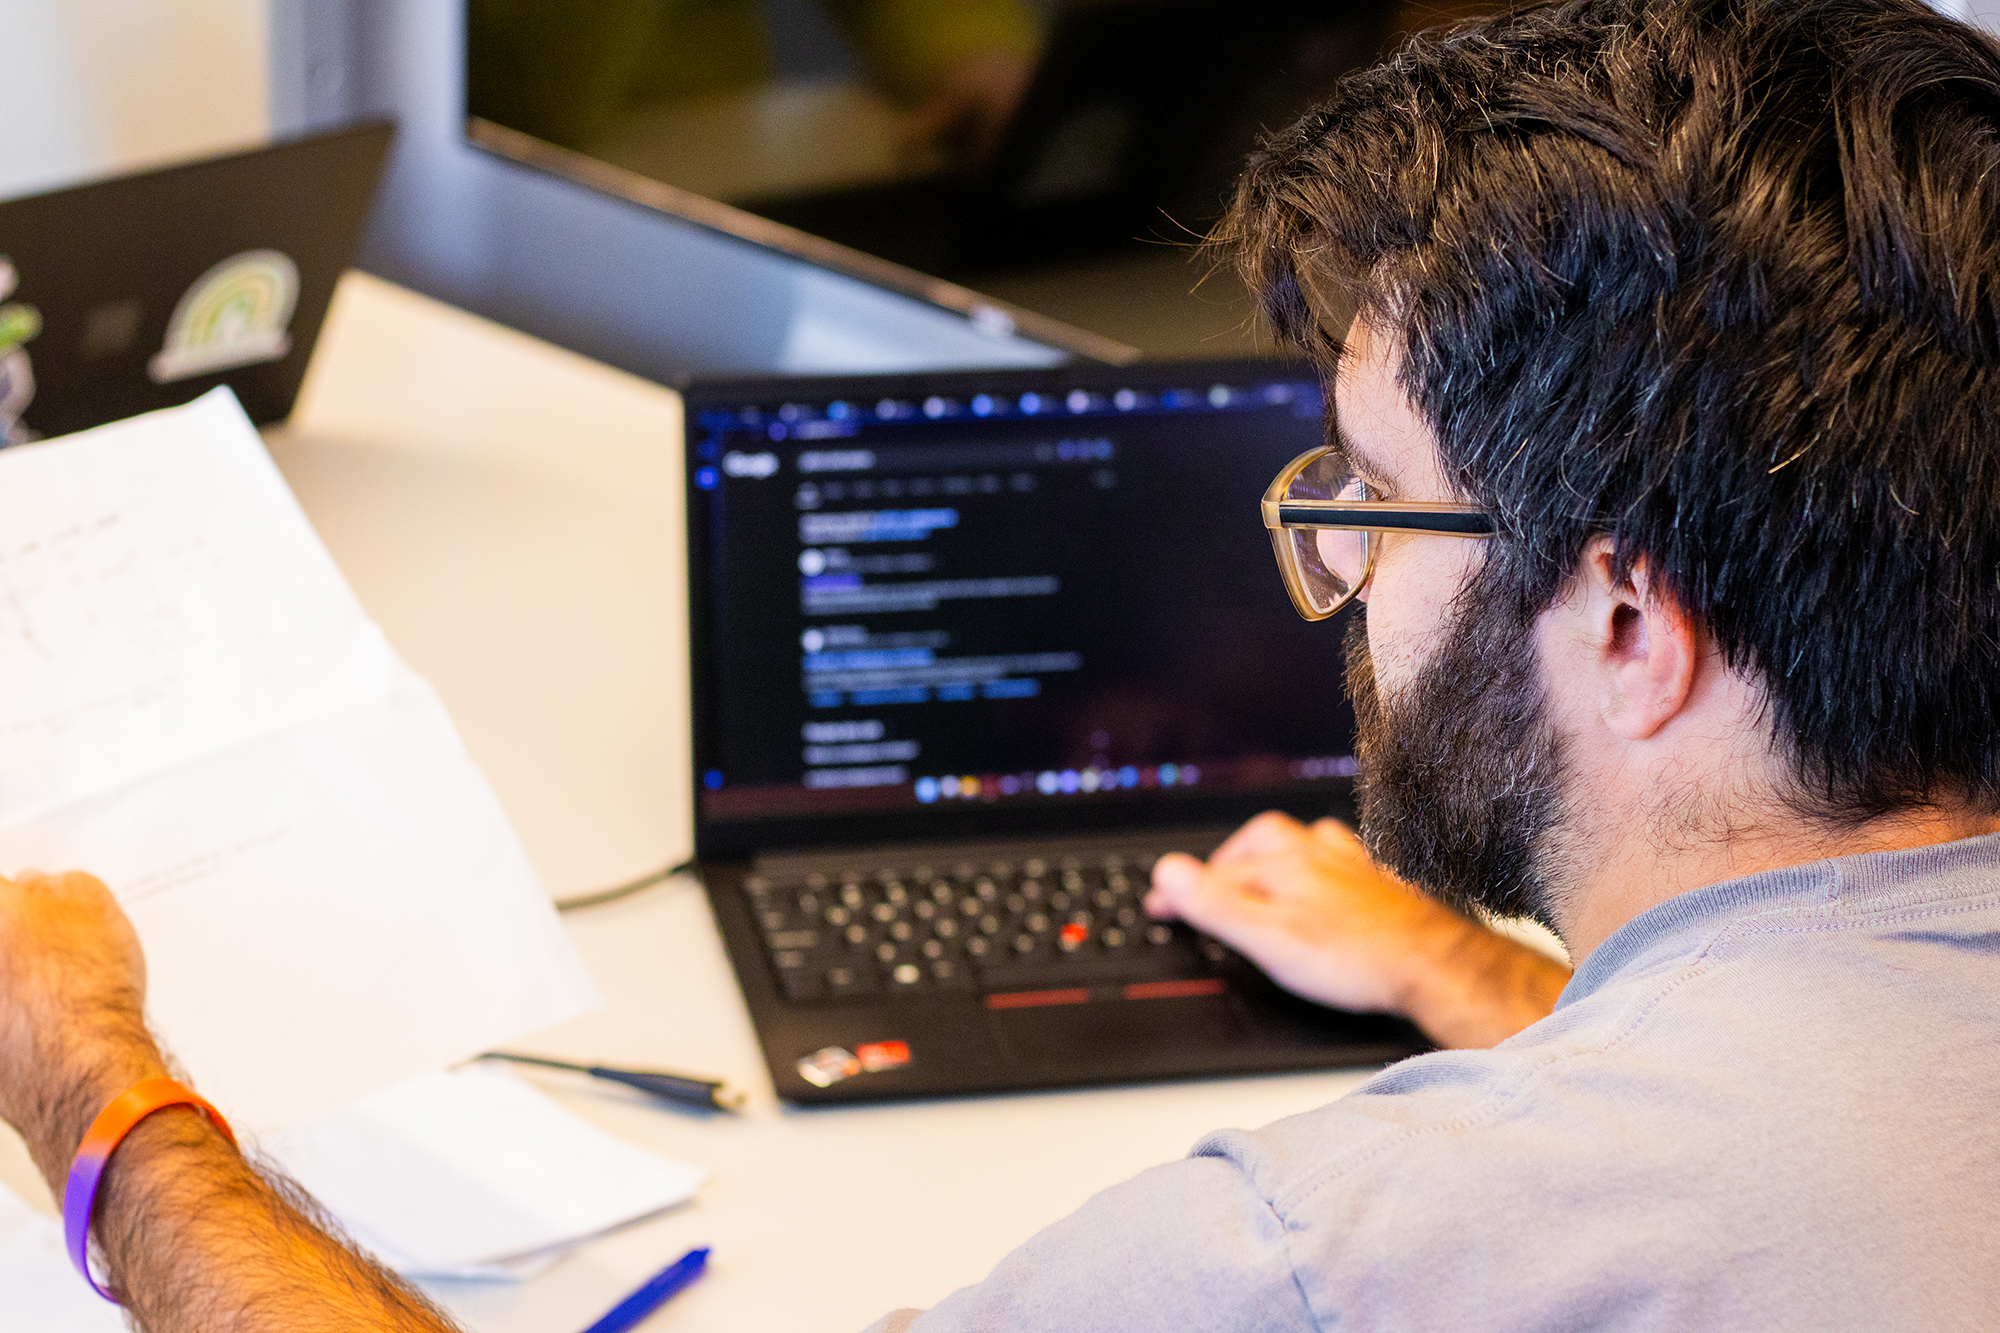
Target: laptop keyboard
[{"x": 1024, "y": 931}]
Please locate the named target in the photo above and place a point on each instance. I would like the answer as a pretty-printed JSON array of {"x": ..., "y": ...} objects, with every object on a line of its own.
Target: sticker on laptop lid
[
  {"x": 236, "y": 314},
  {"x": 19, "y": 323},
  {"x": 828, "y": 1065}
]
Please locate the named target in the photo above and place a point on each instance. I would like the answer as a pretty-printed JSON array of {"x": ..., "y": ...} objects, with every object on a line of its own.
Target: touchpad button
[{"x": 1130, "y": 1038}]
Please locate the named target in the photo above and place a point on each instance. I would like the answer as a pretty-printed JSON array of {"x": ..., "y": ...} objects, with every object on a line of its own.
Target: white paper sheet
[
  {"x": 196, "y": 709},
  {"x": 475, "y": 1173},
  {"x": 39, "y": 1291}
]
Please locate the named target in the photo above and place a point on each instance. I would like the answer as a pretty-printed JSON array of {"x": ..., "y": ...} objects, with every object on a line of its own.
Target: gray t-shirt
[{"x": 1769, "y": 1103}]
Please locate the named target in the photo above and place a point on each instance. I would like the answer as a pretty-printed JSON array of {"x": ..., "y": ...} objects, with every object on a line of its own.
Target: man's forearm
[
  {"x": 1475, "y": 988},
  {"x": 194, "y": 1239},
  {"x": 198, "y": 1242}
]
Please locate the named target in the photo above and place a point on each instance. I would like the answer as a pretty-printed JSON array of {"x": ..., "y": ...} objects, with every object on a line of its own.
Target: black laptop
[
  {"x": 970, "y": 651},
  {"x": 146, "y": 291}
]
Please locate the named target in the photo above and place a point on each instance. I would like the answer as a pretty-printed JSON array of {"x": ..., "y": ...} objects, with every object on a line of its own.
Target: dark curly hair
[{"x": 1720, "y": 278}]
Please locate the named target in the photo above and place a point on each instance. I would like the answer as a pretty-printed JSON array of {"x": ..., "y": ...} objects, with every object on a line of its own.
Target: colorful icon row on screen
[{"x": 1054, "y": 782}]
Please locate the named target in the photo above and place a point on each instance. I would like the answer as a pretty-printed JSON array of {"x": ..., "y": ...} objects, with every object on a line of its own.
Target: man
[
  {"x": 1688, "y": 307},
  {"x": 1694, "y": 305}
]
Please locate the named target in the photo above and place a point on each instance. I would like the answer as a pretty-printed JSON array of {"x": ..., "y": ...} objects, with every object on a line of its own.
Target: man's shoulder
[{"x": 1781, "y": 1079}]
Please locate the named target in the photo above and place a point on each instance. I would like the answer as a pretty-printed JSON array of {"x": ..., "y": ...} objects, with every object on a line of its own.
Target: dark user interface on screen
[{"x": 1008, "y": 598}]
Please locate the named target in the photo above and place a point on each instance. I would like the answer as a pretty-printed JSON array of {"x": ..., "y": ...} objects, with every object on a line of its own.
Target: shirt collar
[{"x": 1682, "y": 924}]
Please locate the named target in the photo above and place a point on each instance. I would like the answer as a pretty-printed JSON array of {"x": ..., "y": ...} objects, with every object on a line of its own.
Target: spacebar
[{"x": 1061, "y": 974}]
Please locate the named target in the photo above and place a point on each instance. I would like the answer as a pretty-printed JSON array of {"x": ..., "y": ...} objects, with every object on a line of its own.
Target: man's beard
[{"x": 1462, "y": 776}]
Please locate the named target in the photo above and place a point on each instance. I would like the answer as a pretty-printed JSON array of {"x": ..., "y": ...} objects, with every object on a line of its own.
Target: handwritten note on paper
[{"x": 196, "y": 709}]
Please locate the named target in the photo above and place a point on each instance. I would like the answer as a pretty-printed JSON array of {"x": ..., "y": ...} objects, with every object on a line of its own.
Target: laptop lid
[
  {"x": 149, "y": 290},
  {"x": 981, "y": 604}
]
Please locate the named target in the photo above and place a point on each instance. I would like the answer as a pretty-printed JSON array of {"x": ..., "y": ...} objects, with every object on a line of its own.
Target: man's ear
[{"x": 1647, "y": 648}]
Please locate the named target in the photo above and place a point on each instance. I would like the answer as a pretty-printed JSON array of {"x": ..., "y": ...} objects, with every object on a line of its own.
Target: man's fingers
[
  {"x": 1268, "y": 833},
  {"x": 1176, "y": 878},
  {"x": 1336, "y": 832}
]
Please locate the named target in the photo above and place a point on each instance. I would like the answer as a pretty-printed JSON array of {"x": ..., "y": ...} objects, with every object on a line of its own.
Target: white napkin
[
  {"x": 475, "y": 1173},
  {"x": 39, "y": 1291}
]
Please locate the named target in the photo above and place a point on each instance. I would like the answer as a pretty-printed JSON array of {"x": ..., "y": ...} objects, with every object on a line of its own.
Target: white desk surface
[{"x": 510, "y": 514}]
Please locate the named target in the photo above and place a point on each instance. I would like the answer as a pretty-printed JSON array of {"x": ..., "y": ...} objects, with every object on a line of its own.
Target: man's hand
[
  {"x": 72, "y": 1009},
  {"x": 1309, "y": 907}
]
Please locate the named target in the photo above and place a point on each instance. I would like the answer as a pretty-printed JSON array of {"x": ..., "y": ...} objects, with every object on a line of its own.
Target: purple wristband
[{"x": 106, "y": 1132}]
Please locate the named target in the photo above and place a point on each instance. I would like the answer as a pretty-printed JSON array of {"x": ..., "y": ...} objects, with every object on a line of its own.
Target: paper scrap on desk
[
  {"x": 475, "y": 1173},
  {"x": 198, "y": 711},
  {"x": 42, "y": 1291}
]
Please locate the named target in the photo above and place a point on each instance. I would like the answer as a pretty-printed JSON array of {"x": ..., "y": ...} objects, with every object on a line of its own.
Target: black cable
[{"x": 625, "y": 890}]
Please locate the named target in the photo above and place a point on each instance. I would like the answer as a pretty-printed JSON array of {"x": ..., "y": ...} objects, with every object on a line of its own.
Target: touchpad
[{"x": 1119, "y": 1037}]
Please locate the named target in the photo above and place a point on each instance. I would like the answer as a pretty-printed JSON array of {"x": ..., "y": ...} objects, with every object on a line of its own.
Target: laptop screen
[{"x": 1003, "y": 602}]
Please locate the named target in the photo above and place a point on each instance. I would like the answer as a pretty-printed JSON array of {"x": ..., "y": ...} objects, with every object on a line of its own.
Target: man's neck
[{"x": 1636, "y": 872}]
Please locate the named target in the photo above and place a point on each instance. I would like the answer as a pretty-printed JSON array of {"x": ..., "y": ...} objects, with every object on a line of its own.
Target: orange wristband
[{"x": 106, "y": 1132}]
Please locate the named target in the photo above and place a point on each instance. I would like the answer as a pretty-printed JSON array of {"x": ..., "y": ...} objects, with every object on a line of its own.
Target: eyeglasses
[{"x": 1327, "y": 531}]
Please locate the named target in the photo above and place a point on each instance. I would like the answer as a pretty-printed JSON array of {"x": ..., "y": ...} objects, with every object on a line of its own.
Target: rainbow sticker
[{"x": 234, "y": 315}]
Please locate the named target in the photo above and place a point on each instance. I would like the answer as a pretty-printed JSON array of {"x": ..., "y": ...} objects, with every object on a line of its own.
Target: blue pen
[{"x": 650, "y": 1297}]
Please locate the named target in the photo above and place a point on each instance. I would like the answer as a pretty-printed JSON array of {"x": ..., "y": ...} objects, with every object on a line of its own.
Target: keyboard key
[
  {"x": 906, "y": 975},
  {"x": 799, "y": 983},
  {"x": 795, "y": 939},
  {"x": 849, "y": 979}
]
